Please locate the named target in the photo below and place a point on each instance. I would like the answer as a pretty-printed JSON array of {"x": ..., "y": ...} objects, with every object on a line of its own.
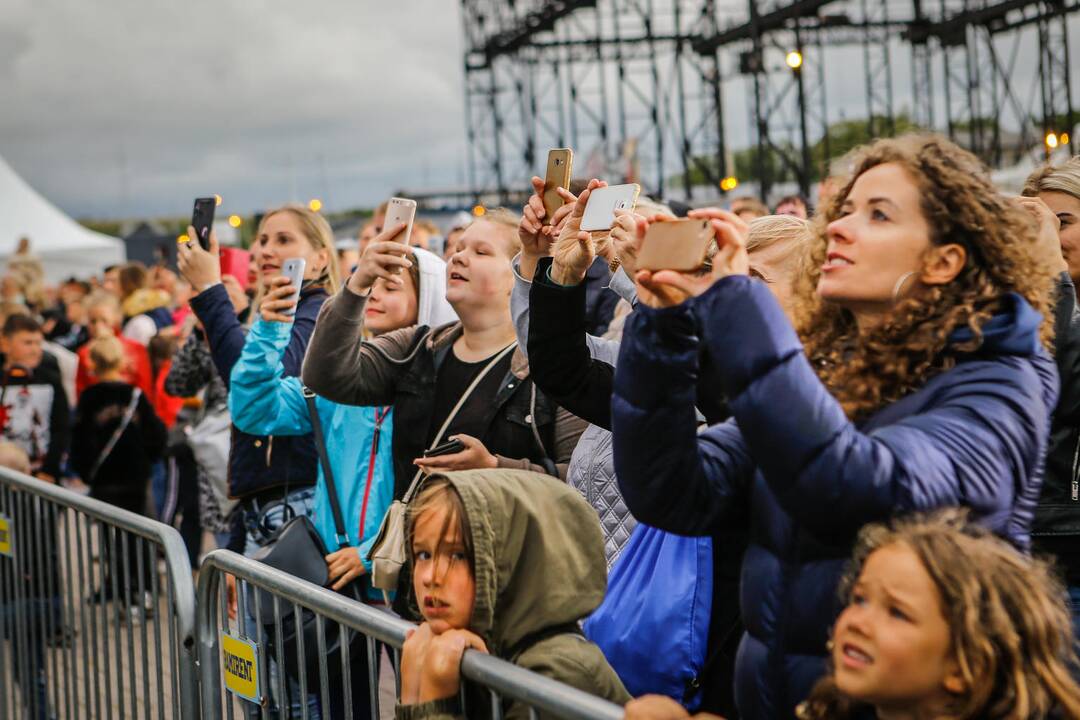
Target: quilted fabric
[{"x": 592, "y": 473}]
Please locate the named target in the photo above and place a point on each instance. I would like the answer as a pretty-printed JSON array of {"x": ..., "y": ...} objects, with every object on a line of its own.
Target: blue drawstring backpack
[{"x": 653, "y": 625}]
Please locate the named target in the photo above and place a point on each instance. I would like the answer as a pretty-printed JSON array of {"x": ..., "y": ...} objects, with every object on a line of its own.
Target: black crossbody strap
[{"x": 324, "y": 460}]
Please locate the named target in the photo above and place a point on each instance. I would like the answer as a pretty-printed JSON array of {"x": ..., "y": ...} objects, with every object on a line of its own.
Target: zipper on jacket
[
  {"x": 269, "y": 450},
  {"x": 380, "y": 416},
  {"x": 1075, "y": 466}
]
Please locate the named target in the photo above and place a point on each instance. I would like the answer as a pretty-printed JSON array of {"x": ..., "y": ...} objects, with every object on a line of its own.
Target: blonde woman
[{"x": 260, "y": 468}]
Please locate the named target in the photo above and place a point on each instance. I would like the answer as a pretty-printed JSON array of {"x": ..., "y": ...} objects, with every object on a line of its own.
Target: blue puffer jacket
[
  {"x": 804, "y": 475},
  {"x": 358, "y": 439},
  {"x": 259, "y": 462}
]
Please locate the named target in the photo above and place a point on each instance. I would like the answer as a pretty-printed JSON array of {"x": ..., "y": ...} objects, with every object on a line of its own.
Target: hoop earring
[{"x": 900, "y": 286}]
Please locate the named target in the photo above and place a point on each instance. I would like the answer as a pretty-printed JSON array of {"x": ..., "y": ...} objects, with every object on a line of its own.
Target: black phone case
[
  {"x": 447, "y": 448},
  {"x": 202, "y": 219}
]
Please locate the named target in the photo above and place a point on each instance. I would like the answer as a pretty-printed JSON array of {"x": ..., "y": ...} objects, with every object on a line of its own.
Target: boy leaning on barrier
[{"x": 484, "y": 547}]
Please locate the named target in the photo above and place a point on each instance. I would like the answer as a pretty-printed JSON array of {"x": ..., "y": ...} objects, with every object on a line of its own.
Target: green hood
[{"x": 539, "y": 554}]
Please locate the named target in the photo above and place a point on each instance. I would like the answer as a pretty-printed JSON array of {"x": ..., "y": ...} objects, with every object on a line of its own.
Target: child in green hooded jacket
[{"x": 506, "y": 562}]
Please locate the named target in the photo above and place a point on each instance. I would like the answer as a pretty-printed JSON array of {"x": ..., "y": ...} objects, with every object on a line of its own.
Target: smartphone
[
  {"x": 603, "y": 202},
  {"x": 675, "y": 245},
  {"x": 400, "y": 210},
  {"x": 447, "y": 448},
  {"x": 293, "y": 268},
  {"x": 559, "y": 167},
  {"x": 236, "y": 262},
  {"x": 202, "y": 219}
]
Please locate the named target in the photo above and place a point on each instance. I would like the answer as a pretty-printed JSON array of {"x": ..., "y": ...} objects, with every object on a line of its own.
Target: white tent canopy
[{"x": 64, "y": 247}]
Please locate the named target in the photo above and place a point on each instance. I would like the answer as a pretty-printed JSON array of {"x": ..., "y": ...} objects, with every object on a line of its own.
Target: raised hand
[
  {"x": 384, "y": 257},
  {"x": 575, "y": 249}
]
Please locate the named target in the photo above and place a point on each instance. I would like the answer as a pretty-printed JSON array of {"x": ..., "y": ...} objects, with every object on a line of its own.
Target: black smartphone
[
  {"x": 202, "y": 219},
  {"x": 447, "y": 448}
]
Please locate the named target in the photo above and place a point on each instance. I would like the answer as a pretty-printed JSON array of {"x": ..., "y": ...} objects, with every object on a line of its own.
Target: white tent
[{"x": 64, "y": 247}]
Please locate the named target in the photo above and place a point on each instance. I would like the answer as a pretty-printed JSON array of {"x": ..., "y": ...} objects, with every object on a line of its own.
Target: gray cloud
[{"x": 131, "y": 108}]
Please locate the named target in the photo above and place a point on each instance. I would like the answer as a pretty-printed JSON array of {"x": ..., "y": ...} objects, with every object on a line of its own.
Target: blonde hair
[
  {"x": 1009, "y": 626},
  {"x": 317, "y": 231},
  {"x": 507, "y": 221},
  {"x": 14, "y": 457},
  {"x": 1063, "y": 178},
  {"x": 107, "y": 354},
  {"x": 791, "y": 238},
  {"x": 438, "y": 492}
]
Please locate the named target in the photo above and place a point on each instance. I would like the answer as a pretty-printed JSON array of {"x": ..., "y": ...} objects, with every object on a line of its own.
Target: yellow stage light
[
  {"x": 235, "y": 221},
  {"x": 794, "y": 59}
]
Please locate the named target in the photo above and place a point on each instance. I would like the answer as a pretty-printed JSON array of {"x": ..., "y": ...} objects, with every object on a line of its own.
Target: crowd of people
[{"x": 864, "y": 415}]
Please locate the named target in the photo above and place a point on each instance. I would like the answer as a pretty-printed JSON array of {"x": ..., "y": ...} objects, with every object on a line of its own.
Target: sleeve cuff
[
  {"x": 444, "y": 709},
  {"x": 515, "y": 265}
]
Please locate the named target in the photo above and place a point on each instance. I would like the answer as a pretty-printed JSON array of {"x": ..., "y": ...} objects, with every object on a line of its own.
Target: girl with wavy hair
[
  {"x": 943, "y": 620},
  {"x": 921, "y": 381}
]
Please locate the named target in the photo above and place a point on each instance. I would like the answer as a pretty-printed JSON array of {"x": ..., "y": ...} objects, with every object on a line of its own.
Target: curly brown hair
[
  {"x": 1010, "y": 630},
  {"x": 870, "y": 370}
]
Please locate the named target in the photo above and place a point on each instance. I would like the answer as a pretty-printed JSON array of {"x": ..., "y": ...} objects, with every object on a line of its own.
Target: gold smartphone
[
  {"x": 560, "y": 165},
  {"x": 681, "y": 245}
]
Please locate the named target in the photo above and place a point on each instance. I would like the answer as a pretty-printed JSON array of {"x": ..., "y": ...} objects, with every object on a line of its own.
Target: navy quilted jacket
[{"x": 805, "y": 476}]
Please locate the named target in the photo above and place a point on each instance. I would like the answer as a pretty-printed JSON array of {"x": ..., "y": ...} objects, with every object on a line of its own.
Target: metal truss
[{"x": 643, "y": 90}]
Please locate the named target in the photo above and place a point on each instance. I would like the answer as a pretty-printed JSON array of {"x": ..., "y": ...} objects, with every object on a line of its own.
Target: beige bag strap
[{"x": 453, "y": 413}]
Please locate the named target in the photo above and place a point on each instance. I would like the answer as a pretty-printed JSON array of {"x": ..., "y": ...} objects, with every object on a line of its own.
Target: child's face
[
  {"x": 442, "y": 579},
  {"x": 891, "y": 645},
  {"x": 23, "y": 348}
]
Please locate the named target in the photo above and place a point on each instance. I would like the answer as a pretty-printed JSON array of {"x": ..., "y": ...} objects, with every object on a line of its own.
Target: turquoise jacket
[{"x": 358, "y": 439}]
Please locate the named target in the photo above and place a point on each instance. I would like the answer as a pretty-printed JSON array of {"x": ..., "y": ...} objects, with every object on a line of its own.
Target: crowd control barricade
[
  {"x": 234, "y": 658},
  {"x": 97, "y": 609}
]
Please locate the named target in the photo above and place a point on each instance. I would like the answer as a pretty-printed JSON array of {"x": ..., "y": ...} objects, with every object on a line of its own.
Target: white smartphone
[
  {"x": 294, "y": 268},
  {"x": 603, "y": 202},
  {"x": 400, "y": 210}
]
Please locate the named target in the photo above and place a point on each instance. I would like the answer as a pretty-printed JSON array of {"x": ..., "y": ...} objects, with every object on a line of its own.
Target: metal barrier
[
  {"x": 222, "y": 646},
  {"x": 97, "y": 609}
]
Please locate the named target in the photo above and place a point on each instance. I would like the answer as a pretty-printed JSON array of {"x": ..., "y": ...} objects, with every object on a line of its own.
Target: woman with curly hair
[
  {"x": 943, "y": 620},
  {"x": 922, "y": 381}
]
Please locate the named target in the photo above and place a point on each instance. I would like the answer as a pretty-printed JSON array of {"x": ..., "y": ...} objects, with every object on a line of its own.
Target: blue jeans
[{"x": 259, "y": 524}]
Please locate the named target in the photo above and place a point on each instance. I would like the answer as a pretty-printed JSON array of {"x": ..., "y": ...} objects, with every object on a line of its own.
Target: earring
[
  {"x": 829, "y": 645},
  {"x": 900, "y": 286}
]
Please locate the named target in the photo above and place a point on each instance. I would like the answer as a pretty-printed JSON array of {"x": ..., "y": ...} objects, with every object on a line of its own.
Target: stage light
[
  {"x": 794, "y": 59},
  {"x": 1064, "y": 138},
  {"x": 479, "y": 210},
  {"x": 315, "y": 205},
  {"x": 1051, "y": 140},
  {"x": 729, "y": 183},
  {"x": 235, "y": 220},
  {"x": 217, "y": 199}
]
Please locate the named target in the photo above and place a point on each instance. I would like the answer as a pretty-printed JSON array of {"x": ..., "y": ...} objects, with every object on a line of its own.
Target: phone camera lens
[{"x": 558, "y": 162}]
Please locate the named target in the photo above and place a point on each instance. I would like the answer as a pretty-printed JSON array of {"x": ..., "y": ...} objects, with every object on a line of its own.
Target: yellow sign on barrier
[
  {"x": 240, "y": 664},
  {"x": 5, "y": 536}
]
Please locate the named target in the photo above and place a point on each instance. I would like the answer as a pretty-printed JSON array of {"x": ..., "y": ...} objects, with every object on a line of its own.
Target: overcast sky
[
  {"x": 133, "y": 107},
  {"x": 126, "y": 108}
]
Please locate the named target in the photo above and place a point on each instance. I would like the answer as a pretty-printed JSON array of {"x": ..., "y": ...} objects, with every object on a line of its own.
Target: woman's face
[
  {"x": 479, "y": 273},
  {"x": 442, "y": 579},
  {"x": 390, "y": 307},
  {"x": 891, "y": 645},
  {"x": 776, "y": 267},
  {"x": 880, "y": 237},
  {"x": 1067, "y": 208},
  {"x": 281, "y": 238}
]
